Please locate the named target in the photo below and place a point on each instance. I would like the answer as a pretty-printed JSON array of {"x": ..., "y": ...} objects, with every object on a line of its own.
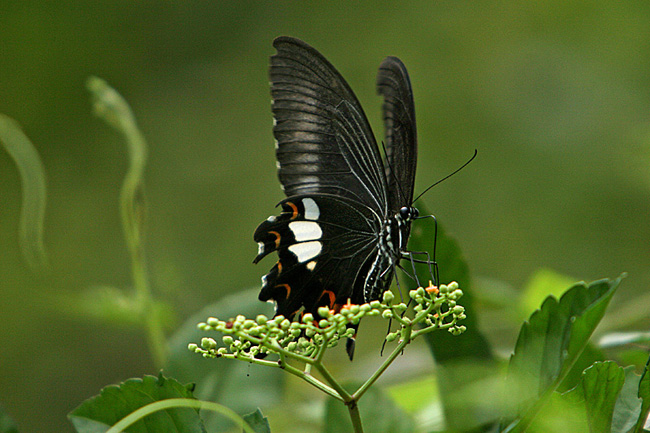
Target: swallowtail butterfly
[{"x": 346, "y": 220}]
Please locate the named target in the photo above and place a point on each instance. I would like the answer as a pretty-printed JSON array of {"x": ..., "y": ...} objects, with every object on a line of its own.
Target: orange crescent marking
[
  {"x": 295, "y": 210},
  {"x": 331, "y": 296},
  {"x": 287, "y": 288},
  {"x": 277, "y": 238},
  {"x": 279, "y": 267}
]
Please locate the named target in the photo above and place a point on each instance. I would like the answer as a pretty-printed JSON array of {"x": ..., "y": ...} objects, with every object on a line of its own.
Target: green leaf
[
  {"x": 238, "y": 385},
  {"x": 258, "y": 422},
  {"x": 7, "y": 424},
  {"x": 607, "y": 394},
  {"x": 471, "y": 345},
  {"x": 597, "y": 393},
  {"x": 550, "y": 343},
  {"x": 543, "y": 283},
  {"x": 628, "y": 403},
  {"x": 99, "y": 413},
  {"x": 32, "y": 177},
  {"x": 464, "y": 360},
  {"x": 644, "y": 394},
  {"x": 379, "y": 414},
  {"x": 587, "y": 358}
]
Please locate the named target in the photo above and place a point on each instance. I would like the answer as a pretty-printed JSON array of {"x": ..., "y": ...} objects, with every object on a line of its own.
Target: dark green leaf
[
  {"x": 258, "y": 422},
  {"x": 99, "y": 413},
  {"x": 550, "y": 343},
  {"x": 7, "y": 424},
  {"x": 607, "y": 395},
  {"x": 238, "y": 385},
  {"x": 471, "y": 345},
  {"x": 590, "y": 355},
  {"x": 597, "y": 392},
  {"x": 463, "y": 360},
  {"x": 379, "y": 414}
]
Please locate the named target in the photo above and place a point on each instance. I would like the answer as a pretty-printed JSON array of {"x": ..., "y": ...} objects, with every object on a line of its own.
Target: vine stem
[
  {"x": 171, "y": 403},
  {"x": 406, "y": 339},
  {"x": 114, "y": 110},
  {"x": 132, "y": 209}
]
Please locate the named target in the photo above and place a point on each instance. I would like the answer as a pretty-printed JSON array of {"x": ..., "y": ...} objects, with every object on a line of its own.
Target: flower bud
[
  {"x": 392, "y": 336},
  {"x": 208, "y": 343}
]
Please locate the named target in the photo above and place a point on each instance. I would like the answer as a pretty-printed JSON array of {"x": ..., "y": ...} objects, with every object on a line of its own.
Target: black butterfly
[{"x": 346, "y": 220}]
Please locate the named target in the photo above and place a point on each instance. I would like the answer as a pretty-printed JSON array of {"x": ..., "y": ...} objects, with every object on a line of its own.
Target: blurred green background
[{"x": 555, "y": 95}]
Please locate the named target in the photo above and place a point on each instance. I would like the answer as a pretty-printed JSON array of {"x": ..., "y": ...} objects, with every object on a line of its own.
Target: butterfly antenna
[{"x": 448, "y": 176}]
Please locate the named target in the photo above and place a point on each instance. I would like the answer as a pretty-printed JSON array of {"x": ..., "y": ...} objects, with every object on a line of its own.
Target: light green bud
[
  {"x": 208, "y": 343},
  {"x": 249, "y": 323},
  {"x": 392, "y": 336}
]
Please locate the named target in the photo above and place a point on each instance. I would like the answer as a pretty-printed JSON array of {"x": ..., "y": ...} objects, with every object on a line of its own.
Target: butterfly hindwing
[{"x": 319, "y": 256}]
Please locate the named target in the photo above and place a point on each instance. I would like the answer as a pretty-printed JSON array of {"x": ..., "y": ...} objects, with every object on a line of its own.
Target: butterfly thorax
[{"x": 392, "y": 241}]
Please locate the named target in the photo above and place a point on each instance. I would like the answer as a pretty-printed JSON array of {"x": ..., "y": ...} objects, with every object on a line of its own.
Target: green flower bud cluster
[
  {"x": 433, "y": 308},
  {"x": 307, "y": 338}
]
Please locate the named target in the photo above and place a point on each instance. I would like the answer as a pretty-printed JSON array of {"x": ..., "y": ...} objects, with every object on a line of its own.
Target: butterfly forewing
[
  {"x": 324, "y": 141},
  {"x": 401, "y": 136}
]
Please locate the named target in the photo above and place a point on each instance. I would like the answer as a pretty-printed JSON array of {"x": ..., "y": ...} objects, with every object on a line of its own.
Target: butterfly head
[{"x": 408, "y": 213}]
